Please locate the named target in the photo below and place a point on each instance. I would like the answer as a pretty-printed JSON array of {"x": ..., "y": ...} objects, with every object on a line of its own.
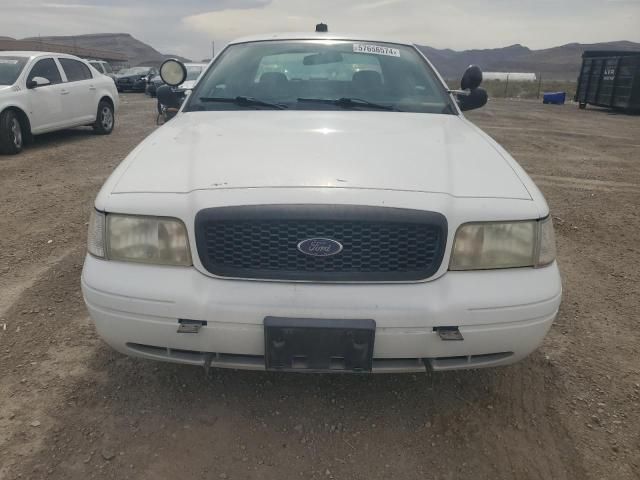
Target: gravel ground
[{"x": 70, "y": 408}]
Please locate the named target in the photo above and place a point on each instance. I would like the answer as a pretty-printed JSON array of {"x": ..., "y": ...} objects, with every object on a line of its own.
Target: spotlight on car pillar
[{"x": 322, "y": 28}]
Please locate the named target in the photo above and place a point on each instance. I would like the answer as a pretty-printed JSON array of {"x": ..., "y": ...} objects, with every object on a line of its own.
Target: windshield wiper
[
  {"x": 345, "y": 102},
  {"x": 244, "y": 102}
]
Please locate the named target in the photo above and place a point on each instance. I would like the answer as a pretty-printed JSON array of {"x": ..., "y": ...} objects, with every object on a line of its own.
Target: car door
[
  {"x": 82, "y": 102},
  {"x": 46, "y": 102}
]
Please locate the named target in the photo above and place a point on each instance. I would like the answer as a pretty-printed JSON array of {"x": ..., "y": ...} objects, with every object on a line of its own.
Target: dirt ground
[{"x": 71, "y": 408}]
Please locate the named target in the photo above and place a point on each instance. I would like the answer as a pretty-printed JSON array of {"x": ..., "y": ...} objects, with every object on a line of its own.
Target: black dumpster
[{"x": 610, "y": 79}]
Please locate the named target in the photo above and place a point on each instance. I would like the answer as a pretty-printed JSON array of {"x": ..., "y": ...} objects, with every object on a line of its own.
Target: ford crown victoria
[{"x": 320, "y": 203}]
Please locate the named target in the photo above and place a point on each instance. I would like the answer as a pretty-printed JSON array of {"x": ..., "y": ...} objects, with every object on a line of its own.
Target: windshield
[
  {"x": 193, "y": 72},
  {"x": 135, "y": 71},
  {"x": 312, "y": 74},
  {"x": 10, "y": 68}
]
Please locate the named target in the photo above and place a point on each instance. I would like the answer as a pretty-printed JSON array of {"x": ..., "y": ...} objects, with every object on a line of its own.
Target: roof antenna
[{"x": 322, "y": 28}]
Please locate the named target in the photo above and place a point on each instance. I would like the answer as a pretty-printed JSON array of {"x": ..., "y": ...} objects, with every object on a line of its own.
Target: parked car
[
  {"x": 41, "y": 92},
  {"x": 320, "y": 203},
  {"x": 193, "y": 73},
  {"x": 103, "y": 67},
  {"x": 135, "y": 79}
]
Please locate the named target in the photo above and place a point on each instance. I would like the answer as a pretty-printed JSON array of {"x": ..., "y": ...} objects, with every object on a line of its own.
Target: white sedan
[
  {"x": 43, "y": 92},
  {"x": 320, "y": 203}
]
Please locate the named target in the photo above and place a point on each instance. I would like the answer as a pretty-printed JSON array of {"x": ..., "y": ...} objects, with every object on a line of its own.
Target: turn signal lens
[{"x": 96, "y": 234}]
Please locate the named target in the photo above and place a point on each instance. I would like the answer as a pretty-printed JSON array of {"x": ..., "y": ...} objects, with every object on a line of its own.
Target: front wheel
[
  {"x": 11, "y": 135},
  {"x": 105, "y": 119}
]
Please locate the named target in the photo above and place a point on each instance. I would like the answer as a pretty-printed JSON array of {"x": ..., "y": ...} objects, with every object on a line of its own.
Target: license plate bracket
[{"x": 319, "y": 345}]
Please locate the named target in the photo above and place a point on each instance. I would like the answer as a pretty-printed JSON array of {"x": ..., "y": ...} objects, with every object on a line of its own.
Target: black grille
[{"x": 379, "y": 244}]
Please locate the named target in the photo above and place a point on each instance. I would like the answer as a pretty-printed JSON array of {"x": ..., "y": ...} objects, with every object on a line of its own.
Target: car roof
[
  {"x": 34, "y": 54},
  {"x": 318, "y": 36}
]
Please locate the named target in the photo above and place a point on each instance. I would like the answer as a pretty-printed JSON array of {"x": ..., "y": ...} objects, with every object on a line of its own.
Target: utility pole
[
  {"x": 213, "y": 49},
  {"x": 506, "y": 88},
  {"x": 539, "y": 85}
]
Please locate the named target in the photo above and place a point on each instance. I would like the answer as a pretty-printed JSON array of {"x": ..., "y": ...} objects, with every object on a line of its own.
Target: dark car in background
[
  {"x": 135, "y": 79},
  {"x": 194, "y": 70}
]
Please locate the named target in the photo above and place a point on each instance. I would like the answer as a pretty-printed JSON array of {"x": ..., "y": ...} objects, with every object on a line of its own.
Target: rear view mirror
[
  {"x": 173, "y": 72},
  {"x": 36, "y": 82},
  {"x": 322, "y": 58}
]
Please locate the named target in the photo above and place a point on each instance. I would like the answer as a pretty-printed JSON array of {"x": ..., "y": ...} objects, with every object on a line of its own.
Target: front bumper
[{"x": 502, "y": 315}]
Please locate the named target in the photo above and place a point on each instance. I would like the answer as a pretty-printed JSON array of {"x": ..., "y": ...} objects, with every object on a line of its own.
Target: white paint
[{"x": 435, "y": 162}]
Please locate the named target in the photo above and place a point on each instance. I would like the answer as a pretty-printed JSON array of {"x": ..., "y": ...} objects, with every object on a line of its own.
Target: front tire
[
  {"x": 11, "y": 133},
  {"x": 105, "y": 120}
]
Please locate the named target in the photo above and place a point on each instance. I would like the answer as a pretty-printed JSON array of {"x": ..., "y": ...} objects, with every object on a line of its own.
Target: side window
[
  {"x": 46, "y": 68},
  {"x": 107, "y": 68},
  {"x": 75, "y": 70}
]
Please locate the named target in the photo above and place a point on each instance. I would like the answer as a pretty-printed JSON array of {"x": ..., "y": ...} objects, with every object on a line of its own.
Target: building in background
[{"x": 511, "y": 76}]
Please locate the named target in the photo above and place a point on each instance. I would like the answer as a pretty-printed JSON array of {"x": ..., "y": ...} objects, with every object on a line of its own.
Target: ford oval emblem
[{"x": 320, "y": 247}]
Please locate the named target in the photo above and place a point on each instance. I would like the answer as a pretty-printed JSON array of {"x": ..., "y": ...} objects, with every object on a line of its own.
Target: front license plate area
[{"x": 296, "y": 344}]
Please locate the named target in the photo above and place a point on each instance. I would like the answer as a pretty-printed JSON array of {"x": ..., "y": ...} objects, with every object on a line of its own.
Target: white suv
[
  {"x": 320, "y": 203},
  {"x": 42, "y": 92}
]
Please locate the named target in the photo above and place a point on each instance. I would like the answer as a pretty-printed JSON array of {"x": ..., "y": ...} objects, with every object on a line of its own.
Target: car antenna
[{"x": 322, "y": 28}]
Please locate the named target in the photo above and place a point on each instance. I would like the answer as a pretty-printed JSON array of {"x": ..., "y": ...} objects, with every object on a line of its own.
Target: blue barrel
[{"x": 555, "y": 98}]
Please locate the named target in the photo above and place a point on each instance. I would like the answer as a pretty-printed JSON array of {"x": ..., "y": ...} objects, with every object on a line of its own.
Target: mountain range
[
  {"x": 557, "y": 63},
  {"x": 139, "y": 53}
]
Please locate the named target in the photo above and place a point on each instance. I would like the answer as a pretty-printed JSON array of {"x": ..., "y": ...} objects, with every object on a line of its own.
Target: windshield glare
[
  {"x": 10, "y": 69},
  {"x": 283, "y": 72}
]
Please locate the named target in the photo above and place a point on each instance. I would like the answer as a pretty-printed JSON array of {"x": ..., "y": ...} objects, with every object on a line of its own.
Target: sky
[{"x": 187, "y": 27}]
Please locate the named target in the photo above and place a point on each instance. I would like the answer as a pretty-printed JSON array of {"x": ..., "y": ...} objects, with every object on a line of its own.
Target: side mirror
[
  {"x": 167, "y": 97},
  {"x": 36, "y": 82},
  {"x": 472, "y": 78},
  {"x": 476, "y": 98},
  {"x": 472, "y": 96},
  {"x": 173, "y": 72}
]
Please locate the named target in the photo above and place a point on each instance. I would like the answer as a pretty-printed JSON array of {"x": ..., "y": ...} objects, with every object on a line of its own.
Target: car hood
[
  {"x": 5, "y": 89},
  {"x": 332, "y": 149}
]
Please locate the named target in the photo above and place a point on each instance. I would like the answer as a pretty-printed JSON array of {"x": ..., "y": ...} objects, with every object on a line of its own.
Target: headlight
[
  {"x": 494, "y": 245},
  {"x": 129, "y": 238}
]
